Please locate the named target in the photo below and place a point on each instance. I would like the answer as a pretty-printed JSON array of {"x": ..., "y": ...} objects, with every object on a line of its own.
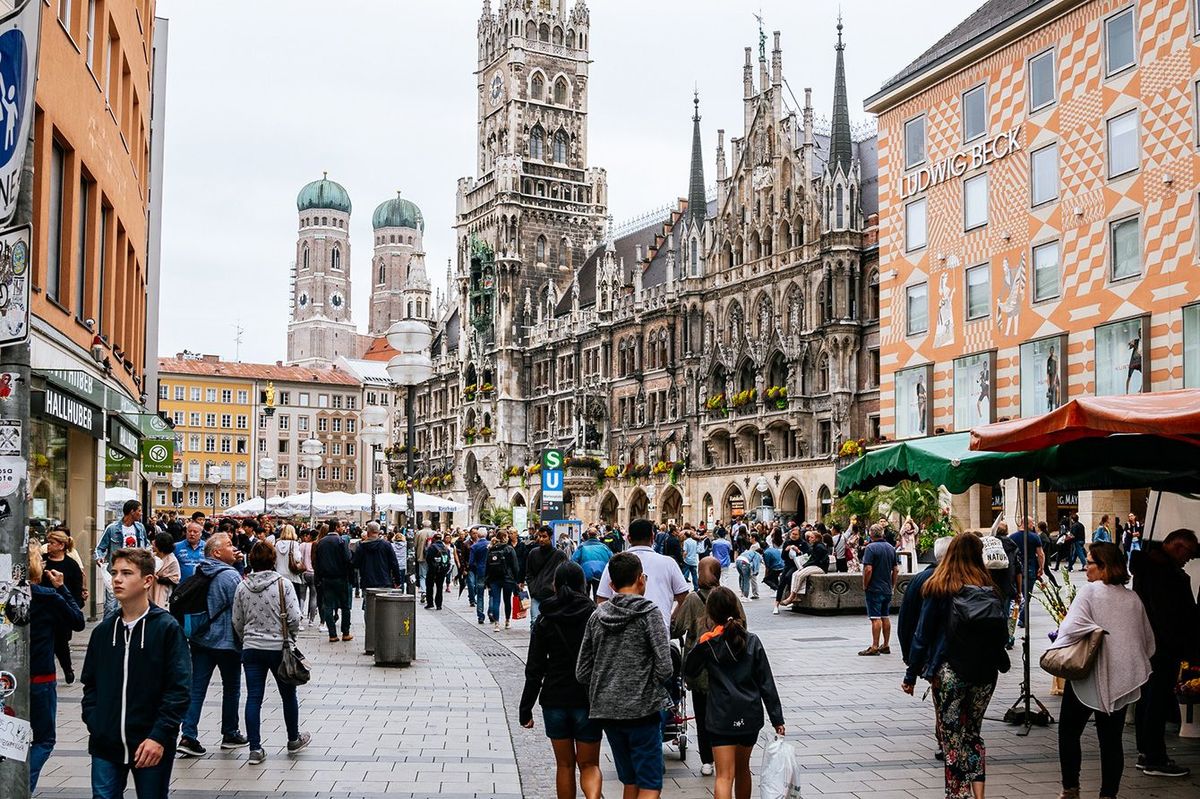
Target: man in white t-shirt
[{"x": 665, "y": 585}]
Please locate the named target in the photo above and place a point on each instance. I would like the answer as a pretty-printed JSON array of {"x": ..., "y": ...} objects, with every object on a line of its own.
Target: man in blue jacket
[
  {"x": 128, "y": 531},
  {"x": 592, "y": 556},
  {"x": 190, "y": 551},
  {"x": 214, "y": 647},
  {"x": 477, "y": 571},
  {"x": 135, "y": 685}
]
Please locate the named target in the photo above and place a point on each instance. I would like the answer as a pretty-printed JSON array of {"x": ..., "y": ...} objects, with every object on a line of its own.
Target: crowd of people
[{"x": 620, "y": 622}]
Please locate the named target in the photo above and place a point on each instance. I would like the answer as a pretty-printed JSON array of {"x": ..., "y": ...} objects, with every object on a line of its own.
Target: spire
[
  {"x": 697, "y": 206},
  {"x": 839, "y": 140}
]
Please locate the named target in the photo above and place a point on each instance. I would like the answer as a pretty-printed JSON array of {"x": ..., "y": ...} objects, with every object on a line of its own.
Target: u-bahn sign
[{"x": 552, "y": 484}]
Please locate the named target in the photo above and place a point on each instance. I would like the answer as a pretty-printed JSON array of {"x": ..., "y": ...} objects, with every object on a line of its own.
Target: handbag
[
  {"x": 295, "y": 565},
  {"x": 293, "y": 668},
  {"x": 1074, "y": 661}
]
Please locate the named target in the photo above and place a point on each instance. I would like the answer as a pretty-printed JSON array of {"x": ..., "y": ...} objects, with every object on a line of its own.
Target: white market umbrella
[
  {"x": 116, "y": 497},
  {"x": 431, "y": 503}
]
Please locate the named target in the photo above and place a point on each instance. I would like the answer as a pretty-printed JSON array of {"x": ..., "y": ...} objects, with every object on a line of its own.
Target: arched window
[
  {"x": 695, "y": 248},
  {"x": 544, "y": 33},
  {"x": 335, "y": 258},
  {"x": 537, "y": 87},
  {"x": 873, "y": 295},
  {"x": 564, "y": 253},
  {"x": 838, "y": 207},
  {"x": 823, "y": 375},
  {"x": 304, "y": 257},
  {"x": 560, "y": 147},
  {"x": 537, "y": 143},
  {"x": 410, "y": 309},
  {"x": 541, "y": 248},
  {"x": 558, "y": 35},
  {"x": 382, "y": 273},
  {"x": 571, "y": 39},
  {"x": 560, "y": 91}
]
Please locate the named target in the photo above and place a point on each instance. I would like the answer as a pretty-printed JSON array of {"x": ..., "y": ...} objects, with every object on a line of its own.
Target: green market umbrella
[{"x": 1121, "y": 461}]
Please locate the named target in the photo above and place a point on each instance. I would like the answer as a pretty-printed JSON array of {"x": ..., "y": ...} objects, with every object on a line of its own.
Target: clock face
[
  {"x": 336, "y": 300},
  {"x": 497, "y": 88},
  {"x": 303, "y": 299}
]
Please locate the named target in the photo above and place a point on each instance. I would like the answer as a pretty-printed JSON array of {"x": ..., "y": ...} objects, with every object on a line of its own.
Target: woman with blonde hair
[
  {"x": 58, "y": 557},
  {"x": 959, "y": 648},
  {"x": 289, "y": 561}
]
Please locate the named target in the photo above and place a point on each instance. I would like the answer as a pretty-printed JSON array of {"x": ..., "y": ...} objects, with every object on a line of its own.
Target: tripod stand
[{"x": 1021, "y": 712}]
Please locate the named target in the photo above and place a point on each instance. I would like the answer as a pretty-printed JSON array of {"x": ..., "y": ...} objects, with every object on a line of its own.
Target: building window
[
  {"x": 262, "y": 445},
  {"x": 914, "y": 142},
  {"x": 285, "y": 422},
  {"x": 1043, "y": 88},
  {"x": 194, "y": 419},
  {"x": 226, "y": 396},
  {"x": 243, "y": 396},
  {"x": 210, "y": 420},
  {"x": 1120, "y": 363},
  {"x": 210, "y": 395},
  {"x": 350, "y": 425},
  {"x": 350, "y": 450},
  {"x": 227, "y": 420},
  {"x": 322, "y": 424},
  {"x": 336, "y": 472},
  {"x": 193, "y": 497},
  {"x": 1126, "y": 249},
  {"x": 914, "y": 225},
  {"x": 226, "y": 444},
  {"x": 164, "y": 391},
  {"x": 873, "y": 368},
  {"x": 349, "y": 472},
  {"x": 1120, "y": 44},
  {"x": 322, "y": 400},
  {"x": 974, "y": 113},
  {"x": 242, "y": 421},
  {"x": 81, "y": 305},
  {"x": 241, "y": 445},
  {"x": 540, "y": 249},
  {"x": 195, "y": 394},
  {"x": 560, "y": 91},
  {"x": 1122, "y": 144},
  {"x": 210, "y": 443},
  {"x": 55, "y": 215},
  {"x": 975, "y": 202},
  {"x": 180, "y": 393},
  {"x": 283, "y": 446},
  {"x": 337, "y": 425},
  {"x": 194, "y": 442},
  {"x": 1043, "y": 174},
  {"x": 560, "y": 147},
  {"x": 1045, "y": 271},
  {"x": 537, "y": 144},
  {"x": 979, "y": 291},
  {"x": 972, "y": 391},
  {"x": 917, "y": 307},
  {"x": 336, "y": 449},
  {"x": 335, "y": 259},
  {"x": 1191, "y": 346},
  {"x": 302, "y": 424}
]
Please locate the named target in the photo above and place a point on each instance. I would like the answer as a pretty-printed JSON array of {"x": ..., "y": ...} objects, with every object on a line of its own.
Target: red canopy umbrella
[{"x": 1170, "y": 414}]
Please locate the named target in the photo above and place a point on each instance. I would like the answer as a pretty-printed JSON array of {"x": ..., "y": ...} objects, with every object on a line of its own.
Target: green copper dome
[
  {"x": 323, "y": 193},
  {"x": 398, "y": 212}
]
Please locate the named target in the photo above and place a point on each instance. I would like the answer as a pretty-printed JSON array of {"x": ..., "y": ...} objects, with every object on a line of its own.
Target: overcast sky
[{"x": 263, "y": 96}]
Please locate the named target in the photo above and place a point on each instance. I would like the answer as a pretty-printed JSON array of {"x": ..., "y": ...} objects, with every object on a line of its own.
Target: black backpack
[
  {"x": 495, "y": 571},
  {"x": 189, "y": 604},
  {"x": 976, "y": 633},
  {"x": 441, "y": 560}
]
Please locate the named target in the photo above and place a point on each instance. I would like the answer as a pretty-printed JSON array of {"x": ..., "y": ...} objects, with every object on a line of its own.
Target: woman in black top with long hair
[{"x": 554, "y": 642}]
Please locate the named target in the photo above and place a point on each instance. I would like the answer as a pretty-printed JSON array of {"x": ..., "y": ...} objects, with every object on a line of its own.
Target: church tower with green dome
[
  {"x": 400, "y": 287},
  {"x": 320, "y": 328}
]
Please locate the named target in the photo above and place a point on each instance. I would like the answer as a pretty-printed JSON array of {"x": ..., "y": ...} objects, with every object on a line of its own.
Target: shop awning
[
  {"x": 1169, "y": 414},
  {"x": 1120, "y": 461}
]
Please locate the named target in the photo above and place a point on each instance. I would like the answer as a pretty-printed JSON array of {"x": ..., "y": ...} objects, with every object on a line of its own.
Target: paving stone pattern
[{"x": 446, "y": 726}]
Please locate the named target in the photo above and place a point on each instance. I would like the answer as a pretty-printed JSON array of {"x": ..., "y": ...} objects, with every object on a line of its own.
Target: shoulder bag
[
  {"x": 1074, "y": 661},
  {"x": 294, "y": 668},
  {"x": 295, "y": 562}
]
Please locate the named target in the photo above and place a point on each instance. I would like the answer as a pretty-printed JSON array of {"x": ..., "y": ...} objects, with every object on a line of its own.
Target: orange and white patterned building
[{"x": 1038, "y": 216}]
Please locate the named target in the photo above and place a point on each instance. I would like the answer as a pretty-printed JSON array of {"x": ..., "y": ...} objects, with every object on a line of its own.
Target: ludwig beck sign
[{"x": 981, "y": 154}]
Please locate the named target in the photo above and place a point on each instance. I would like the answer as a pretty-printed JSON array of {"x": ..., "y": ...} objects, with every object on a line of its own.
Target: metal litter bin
[
  {"x": 369, "y": 618},
  {"x": 395, "y": 618}
]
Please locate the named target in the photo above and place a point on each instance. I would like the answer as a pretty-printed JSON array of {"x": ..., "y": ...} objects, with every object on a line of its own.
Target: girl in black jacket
[
  {"x": 502, "y": 572},
  {"x": 554, "y": 642},
  {"x": 739, "y": 684}
]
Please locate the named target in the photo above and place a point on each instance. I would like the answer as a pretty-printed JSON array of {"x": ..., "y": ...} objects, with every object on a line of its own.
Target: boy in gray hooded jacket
[{"x": 624, "y": 660}]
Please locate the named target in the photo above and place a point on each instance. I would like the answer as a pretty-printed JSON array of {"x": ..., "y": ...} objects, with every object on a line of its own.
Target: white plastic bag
[{"x": 779, "y": 771}]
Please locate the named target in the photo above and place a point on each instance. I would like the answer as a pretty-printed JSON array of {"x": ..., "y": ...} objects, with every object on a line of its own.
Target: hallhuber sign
[{"x": 974, "y": 157}]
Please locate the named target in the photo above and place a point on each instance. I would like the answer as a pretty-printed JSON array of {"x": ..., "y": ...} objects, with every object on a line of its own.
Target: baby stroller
[{"x": 675, "y": 729}]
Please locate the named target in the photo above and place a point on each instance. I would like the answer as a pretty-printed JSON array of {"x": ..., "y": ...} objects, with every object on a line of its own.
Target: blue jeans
[
  {"x": 495, "y": 591},
  {"x": 204, "y": 661},
  {"x": 692, "y": 575},
  {"x": 43, "y": 713},
  {"x": 1077, "y": 551},
  {"x": 109, "y": 778},
  {"x": 533, "y": 610},
  {"x": 747, "y": 579},
  {"x": 470, "y": 578},
  {"x": 478, "y": 588},
  {"x": 335, "y": 596},
  {"x": 257, "y": 663}
]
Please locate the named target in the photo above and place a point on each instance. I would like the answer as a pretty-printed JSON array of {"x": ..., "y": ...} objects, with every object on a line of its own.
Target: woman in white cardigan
[{"x": 1122, "y": 667}]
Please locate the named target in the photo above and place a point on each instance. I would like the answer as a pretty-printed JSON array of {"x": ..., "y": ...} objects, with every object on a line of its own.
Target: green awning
[{"x": 1123, "y": 461}]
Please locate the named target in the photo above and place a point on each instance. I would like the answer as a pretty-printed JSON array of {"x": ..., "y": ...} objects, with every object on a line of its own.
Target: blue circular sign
[{"x": 14, "y": 72}]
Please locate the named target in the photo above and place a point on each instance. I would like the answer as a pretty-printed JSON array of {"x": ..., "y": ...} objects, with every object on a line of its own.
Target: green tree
[
  {"x": 498, "y": 515},
  {"x": 863, "y": 504}
]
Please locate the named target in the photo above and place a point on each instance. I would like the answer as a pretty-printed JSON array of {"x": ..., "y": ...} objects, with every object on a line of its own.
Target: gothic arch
[
  {"x": 557, "y": 36},
  {"x": 826, "y": 501},
  {"x": 537, "y": 145},
  {"x": 670, "y": 505},
  {"x": 517, "y": 500},
  {"x": 764, "y": 315},
  {"x": 335, "y": 258},
  {"x": 610, "y": 508},
  {"x": 745, "y": 373},
  {"x": 755, "y": 251},
  {"x": 791, "y": 500},
  {"x": 822, "y": 386},
  {"x": 777, "y": 370},
  {"x": 537, "y": 86},
  {"x": 530, "y": 30},
  {"x": 734, "y": 322},
  {"x": 639, "y": 505},
  {"x": 544, "y": 32},
  {"x": 304, "y": 256},
  {"x": 732, "y": 495}
]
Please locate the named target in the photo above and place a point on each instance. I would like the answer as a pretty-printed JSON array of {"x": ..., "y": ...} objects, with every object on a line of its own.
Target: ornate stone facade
[{"x": 713, "y": 356}]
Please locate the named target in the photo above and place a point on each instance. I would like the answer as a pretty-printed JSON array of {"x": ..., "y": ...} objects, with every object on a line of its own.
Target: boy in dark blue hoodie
[{"x": 135, "y": 679}]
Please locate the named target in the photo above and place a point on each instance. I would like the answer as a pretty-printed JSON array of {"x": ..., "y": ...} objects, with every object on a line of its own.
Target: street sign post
[{"x": 552, "y": 485}]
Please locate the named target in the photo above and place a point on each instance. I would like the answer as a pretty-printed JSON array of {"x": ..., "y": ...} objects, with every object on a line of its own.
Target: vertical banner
[{"x": 18, "y": 75}]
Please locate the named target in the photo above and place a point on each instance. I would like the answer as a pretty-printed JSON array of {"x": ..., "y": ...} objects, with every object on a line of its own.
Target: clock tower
[{"x": 320, "y": 328}]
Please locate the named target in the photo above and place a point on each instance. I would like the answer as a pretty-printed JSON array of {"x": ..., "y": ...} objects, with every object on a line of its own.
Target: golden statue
[{"x": 270, "y": 394}]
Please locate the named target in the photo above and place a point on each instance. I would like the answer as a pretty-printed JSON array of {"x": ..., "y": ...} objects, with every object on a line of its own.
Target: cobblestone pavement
[{"x": 446, "y": 726}]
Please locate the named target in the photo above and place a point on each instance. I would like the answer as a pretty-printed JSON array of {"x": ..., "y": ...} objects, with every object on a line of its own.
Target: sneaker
[
  {"x": 869, "y": 651},
  {"x": 496, "y": 627},
  {"x": 299, "y": 743},
  {"x": 939, "y": 755},
  {"x": 257, "y": 756},
  {"x": 1141, "y": 763},
  {"x": 1167, "y": 769},
  {"x": 481, "y": 621},
  {"x": 190, "y": 747},
  {"x": 235, "y": 741},
  {"x": 706, "y": 769},
  {"x": 506, "y": 624},
  {"x": 775, "y": 612}
]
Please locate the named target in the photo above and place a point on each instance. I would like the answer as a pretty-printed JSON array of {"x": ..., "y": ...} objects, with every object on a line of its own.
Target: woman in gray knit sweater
[{"x": 258, "y": 624}]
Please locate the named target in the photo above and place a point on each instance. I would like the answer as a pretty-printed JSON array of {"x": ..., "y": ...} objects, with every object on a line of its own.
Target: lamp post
[
  {"x": 214, "y": 479},
  {"x": 410, "y": 367},
  {"x": 266, "y": 471},
  {"x": 312, "y": 455},
  {"x": 374, "y": 435},
  {"x": 177, "y": 489}
]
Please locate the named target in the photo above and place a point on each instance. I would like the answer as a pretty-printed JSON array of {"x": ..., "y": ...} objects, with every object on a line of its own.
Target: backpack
[
  {"x": 441, "y": 560},
  {"x": 975, "y": 635},
  {"x": 495, "y": 572},
  {"x": 189, "y": 604}
]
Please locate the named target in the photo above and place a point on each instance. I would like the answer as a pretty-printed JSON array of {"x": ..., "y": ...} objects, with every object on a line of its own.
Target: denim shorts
[
  {"x": 879, "y": 605},
  {"x": 637, "y": 754},
  {"x": 570, "y": 723}
]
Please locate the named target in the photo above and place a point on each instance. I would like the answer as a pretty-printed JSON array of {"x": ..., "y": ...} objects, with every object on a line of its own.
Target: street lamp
[
  {"x": 177, "y": 489},
  {"x": 312, "y": 455},
  {"x": 266, "y": 471},
  {"x": 410, "y": 367},
  {"x": 374, "y": 435},
  {"x": 214, "y": 479}
]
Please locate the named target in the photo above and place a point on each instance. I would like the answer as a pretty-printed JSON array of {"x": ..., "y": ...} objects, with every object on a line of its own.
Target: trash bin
[
  {"x": 369, "y": 618},
  {"x": 395, "y": 618}
]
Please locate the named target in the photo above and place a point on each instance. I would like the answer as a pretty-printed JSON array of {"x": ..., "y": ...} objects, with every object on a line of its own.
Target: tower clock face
[
  {"x": 303, "y": 300},
  {"x": 336, "y": 300},
  {"x": 497, "y": 88}
]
